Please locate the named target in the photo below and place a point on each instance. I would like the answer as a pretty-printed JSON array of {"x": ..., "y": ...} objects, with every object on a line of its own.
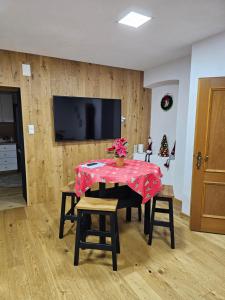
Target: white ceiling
[{"x": 87, "y": 30}]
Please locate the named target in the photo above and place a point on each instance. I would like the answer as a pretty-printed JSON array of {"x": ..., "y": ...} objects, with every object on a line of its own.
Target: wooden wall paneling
[
  {"x": 8, "y": 69},
  {"x": 138, "y": 99},
  {"x": 49, "y": 165},
  {"x": 130, "y": 115},
  {"x": 46, "y": 118},
  {"x": 25, "y": 85},
  {"x": 145, "y": 115}
]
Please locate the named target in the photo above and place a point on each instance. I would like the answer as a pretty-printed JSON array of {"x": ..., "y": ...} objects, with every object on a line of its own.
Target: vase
[{"x": 119, "y": 161}]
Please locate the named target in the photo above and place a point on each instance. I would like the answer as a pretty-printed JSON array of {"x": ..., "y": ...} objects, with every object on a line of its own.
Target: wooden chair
[
  {"x": 103, "y": 208},
  {"x": 166, "y": 195},
  {"x": 67, "y": 191}
]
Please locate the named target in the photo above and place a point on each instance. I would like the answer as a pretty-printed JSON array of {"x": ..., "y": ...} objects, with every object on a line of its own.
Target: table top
[{"x": 142, "y": 177}]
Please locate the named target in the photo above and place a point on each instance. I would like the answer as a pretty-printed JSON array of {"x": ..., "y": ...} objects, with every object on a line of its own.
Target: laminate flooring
[{"x": 36, "y": 264}]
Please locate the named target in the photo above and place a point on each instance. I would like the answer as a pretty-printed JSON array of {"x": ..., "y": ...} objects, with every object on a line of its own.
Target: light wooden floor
[
  {"x": 35, "y": 264},
  {"x": 11, "y": 197}
]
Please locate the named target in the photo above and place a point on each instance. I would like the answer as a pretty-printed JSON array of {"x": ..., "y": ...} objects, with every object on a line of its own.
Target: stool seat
[
  {"x": 166, "y": 192},
  {"x": 100, "y": 204},
  {"x": 69, "y": 188}
]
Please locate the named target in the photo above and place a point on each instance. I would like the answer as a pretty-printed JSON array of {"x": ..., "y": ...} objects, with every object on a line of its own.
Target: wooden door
[
  {"x": 17, "y": 109},
  {"x": 208, "y": 182}
]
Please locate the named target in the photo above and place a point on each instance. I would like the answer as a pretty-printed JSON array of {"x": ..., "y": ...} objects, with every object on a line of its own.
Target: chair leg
[
  {"x": 77, "y": 240},
  {"x": 171, "y": 224},
  {"x": 139, "y": 212},
  {"x": 147, "y": 217},
  {"x": 72, "y": 206},
  {"x": 84, "y": 225},
  {"x": 113, "y": 237},
  {"x": 128, "y": 214},
  {"x": 152, "y": 221},
  {"x": 117, "y": 236},
  {"x": 62, "y": 216},
  {"x": 102, "y": 226}
]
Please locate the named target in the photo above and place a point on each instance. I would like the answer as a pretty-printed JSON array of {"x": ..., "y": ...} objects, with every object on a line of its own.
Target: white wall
[
  {"x": 177, "y": 71},
  {"x": 208, "y": 60},
  {"x": 163, "y": 122}
]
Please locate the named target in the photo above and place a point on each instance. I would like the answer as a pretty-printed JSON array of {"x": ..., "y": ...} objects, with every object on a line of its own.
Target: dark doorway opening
[{"x": 13, "y": 192}]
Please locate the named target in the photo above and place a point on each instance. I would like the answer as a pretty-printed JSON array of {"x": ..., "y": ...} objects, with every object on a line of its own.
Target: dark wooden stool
[
  {"x": 103, "y": 208},
  {"x": 67, "y": 191},
  {"x": 165, "y": 195}
]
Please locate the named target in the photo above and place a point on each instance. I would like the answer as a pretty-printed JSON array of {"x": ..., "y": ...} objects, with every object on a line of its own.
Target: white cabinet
[
  {"x": 139, "y": 156},
  {"x": 6, "y": 108},
  {"x": 8, "y": 157}
]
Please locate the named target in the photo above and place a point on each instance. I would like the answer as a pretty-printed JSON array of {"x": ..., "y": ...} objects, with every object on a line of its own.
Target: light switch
[
  {"x": 26, "y": 70},
  {"x": 31, "y": 129}
]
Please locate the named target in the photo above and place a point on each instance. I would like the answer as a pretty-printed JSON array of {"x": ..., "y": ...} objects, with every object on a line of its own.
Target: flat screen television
[{"x": 82, "y": 118}]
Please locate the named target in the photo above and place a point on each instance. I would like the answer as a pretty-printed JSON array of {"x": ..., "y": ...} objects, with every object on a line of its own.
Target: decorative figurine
[
  {"x": 171, "y": 157},
  {"x": 149, "y": 150}
]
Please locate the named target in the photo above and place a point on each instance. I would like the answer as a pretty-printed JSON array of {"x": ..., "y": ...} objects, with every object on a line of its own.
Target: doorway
[{"x": 13, "y": 192}]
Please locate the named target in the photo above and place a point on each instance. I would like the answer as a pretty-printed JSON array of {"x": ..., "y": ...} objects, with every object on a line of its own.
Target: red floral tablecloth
[{"x": 144, "y": 178}]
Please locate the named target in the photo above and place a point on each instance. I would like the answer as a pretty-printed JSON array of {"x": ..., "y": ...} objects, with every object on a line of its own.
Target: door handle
[
  {"x": 199, "y": 160},
  {"x": 206, "y": 158}
]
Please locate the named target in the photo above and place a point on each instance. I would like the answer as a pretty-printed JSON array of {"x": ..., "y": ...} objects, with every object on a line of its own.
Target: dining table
[{"x": 141, "y": 177}]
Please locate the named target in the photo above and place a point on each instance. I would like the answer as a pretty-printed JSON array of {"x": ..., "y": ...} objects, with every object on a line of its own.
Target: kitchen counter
[
  {"x": 8, "y": 156},
  {"x": 7, "y": 143}
]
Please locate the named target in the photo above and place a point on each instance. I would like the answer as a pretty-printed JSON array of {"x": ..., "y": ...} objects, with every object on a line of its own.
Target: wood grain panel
[
  {"x": 208, "y": 193},
  {"x": 214, "y": 204},
  {"x": 50, "y": 165},
  {"x": 216, "y": 135}
]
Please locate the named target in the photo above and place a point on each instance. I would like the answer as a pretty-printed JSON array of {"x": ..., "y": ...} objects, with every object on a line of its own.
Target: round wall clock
[{"x": 166, "y": 102}]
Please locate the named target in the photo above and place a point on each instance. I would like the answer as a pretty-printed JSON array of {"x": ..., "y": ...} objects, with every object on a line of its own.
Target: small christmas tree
[{"x": 164, "y": 149}]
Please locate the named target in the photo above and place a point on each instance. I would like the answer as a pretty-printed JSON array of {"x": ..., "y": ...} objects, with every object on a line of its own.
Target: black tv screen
[{"x": 79, "y": 118}]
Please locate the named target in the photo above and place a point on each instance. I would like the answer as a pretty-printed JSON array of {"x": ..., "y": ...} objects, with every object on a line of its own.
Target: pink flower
[
  {"x": 119, "y": 147},
  {"x": 121, "y": 151},
  {"x": 123, "y": 141}
]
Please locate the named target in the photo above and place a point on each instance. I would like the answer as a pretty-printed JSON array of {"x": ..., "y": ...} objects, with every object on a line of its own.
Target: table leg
[
  {"x": 101, "y": 189},
  {"x": 102, "y": 220},
  {"x": 147, "y": 217},
  {"x": 88, "y": 193},
  {"x": 85, "y": 225},
  {"x": 102, "y": 227}
]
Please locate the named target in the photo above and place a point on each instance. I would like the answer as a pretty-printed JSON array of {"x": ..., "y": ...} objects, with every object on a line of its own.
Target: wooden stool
[
  {"x": 67, "y": 191},
  {"x": 165, "y": 195},
  {"x": 101, "y": 207}
]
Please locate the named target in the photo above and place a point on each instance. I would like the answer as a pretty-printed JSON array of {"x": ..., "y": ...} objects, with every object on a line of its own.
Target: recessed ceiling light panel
[{"x": 134, "y": 19}]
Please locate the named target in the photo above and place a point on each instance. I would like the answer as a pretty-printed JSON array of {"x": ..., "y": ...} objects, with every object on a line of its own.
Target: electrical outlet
[
  {"x": 26, "y": 70},
  {"x": 31, "y": 129}
]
